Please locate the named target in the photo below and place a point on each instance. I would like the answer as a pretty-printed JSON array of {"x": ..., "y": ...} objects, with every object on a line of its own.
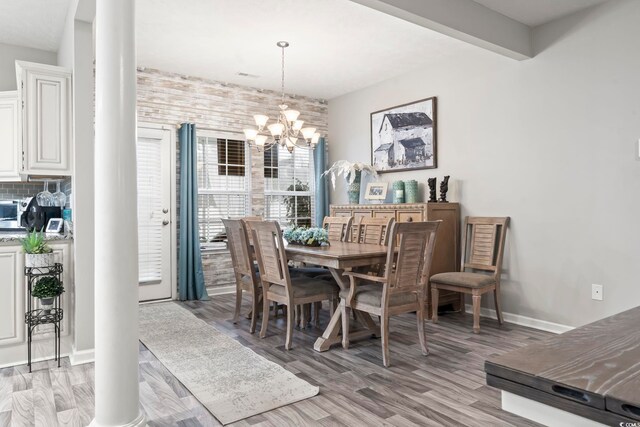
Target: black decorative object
[
  {"x": 432, "y": 189},
  {"x": 444, "y": 187},
  {"x": 39, "y": 316}
]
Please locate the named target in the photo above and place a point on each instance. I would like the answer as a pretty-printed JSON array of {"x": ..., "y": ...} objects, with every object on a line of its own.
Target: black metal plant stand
[{"x": 39, "y": 316}]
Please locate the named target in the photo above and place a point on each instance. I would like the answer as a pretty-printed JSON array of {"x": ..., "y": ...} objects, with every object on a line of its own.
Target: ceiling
[
  {"x": 537, "y": 12},
  {"x": 33, "y": 23},
  {"x": 337, "y": 46}
]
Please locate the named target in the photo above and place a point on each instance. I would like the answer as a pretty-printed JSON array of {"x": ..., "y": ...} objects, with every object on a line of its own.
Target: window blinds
[
  {"x": 223, "y": 184},
  {"x": 150, "y": 191}
]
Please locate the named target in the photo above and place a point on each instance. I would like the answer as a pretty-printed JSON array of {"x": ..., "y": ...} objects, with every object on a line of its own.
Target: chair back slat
[
  {"x": 411, "y": 263},
  {"x": 338, "y": 227},
  {"x": 373, "y": 231},
  {"x": 270, "y": 252},
  {"x": 239, "y": 249},
  {"x": 484, "y": 243}
]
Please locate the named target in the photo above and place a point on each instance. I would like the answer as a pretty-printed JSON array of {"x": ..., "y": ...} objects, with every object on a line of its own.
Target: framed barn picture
[{"x": 404, "y": 137}]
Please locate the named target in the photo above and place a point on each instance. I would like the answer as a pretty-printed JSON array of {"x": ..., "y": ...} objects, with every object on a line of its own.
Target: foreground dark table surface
[{"x": 593, "y": 371}]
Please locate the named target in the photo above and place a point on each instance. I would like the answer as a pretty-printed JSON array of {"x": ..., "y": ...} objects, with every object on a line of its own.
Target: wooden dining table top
[{"x": 338, "y": 255}]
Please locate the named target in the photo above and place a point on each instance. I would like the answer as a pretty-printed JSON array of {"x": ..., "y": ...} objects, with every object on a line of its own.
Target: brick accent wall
[{"x": 170, "y": 99}]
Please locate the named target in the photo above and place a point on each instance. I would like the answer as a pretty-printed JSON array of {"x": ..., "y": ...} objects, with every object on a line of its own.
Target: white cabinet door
[
  {"x": 12, "y": 290},
  {"x": 45, "y": 94},
  {"x": 10, "y": 147}
]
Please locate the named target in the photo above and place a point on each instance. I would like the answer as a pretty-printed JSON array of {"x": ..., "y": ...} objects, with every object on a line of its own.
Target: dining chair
[
  {"x": 402, "y": 287},
  {"x": 243, "y": 267},
  {"x": 483, "y": 251},
  {"x": 277, "y": 284},
  {"x": 338, "y": 227},
  {"x": 373, "y": 230}
]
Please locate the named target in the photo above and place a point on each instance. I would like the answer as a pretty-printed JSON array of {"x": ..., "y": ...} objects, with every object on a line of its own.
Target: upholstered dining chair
[
  {"x": 402, "y": 287},
  {"x": 277, "y": 284},
  {"x": 243, "y": 267},
  {"x": 483, "y": 251}
]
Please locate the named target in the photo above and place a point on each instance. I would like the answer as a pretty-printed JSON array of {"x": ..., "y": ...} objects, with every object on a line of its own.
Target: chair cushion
[
  {"x": 371, "y": 294},
  {"x": 467, "y": 280},
  {"x": 306, "y": 287}
]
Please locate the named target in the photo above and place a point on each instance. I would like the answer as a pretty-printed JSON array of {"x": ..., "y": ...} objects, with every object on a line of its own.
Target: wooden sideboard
[{"x": 446, "y": 255}]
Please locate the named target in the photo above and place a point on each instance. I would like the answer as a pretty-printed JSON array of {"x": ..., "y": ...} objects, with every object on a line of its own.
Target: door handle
[
  {"x": 165, "y": 210},
  {"x": 165, "y": 222}
]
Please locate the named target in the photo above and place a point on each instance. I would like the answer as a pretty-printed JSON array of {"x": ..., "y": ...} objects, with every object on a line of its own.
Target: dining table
[{"x": 337, "y": 258}]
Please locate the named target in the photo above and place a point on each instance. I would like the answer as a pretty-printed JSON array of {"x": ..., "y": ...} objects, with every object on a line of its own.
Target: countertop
[{"x": 14, "y": 237}]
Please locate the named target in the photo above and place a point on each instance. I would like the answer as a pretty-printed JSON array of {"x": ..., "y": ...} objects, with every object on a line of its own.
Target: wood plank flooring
[{"x": 445, "y": 388}]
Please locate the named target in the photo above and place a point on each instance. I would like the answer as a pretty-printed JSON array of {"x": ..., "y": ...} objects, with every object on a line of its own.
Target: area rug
[{"x": 230, "y": 380}]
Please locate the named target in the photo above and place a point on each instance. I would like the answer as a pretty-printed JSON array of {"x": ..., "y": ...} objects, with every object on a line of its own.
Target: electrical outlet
[{"x": 597, "y": 292}]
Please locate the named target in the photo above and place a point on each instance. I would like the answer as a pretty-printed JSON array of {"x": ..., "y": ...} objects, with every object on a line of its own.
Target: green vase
[{"x": 353, "y": 189}]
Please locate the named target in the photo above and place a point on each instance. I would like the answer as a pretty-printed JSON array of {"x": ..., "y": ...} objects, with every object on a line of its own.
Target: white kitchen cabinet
[
  {"x": 13, "y": 306},
  {"x": 10, "y": 147},
  {"x": 12, "y": 291},
  {"x": 44, "y": 94}
]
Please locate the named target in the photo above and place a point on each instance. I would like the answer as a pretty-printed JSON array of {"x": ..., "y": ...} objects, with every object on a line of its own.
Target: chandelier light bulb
[
  {"x": 276, "y": 129},
  {"x": 261, "y": 120},
  {"x": 291, "y": 144},
  {"x": 307, "y": 133},
  {"x": 291, "y": 115},
  {"x": 261, "y": 140},
  {"x": 297, "y": 125},
  {"x": 315, "y": 138},
  {"x": 250, "y": 134}
]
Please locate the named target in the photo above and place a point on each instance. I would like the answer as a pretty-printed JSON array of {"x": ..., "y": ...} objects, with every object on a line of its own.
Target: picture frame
[
  {"x": 376, "y": 191},
  {"x": 404, "y": 137},
  {"x": 54, "y": 225}
]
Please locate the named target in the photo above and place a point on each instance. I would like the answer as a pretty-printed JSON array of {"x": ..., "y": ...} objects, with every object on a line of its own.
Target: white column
[{"x": 116, "y": 227}]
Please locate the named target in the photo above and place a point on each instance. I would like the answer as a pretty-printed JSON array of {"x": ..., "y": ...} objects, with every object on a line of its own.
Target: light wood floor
[{"x": 445, "y": 388}]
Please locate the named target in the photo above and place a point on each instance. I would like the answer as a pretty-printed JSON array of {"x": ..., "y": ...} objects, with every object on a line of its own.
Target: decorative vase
[
  {"x": 411, "y": 191},
  {"x": 398, "y": 192},
  {"x": 39, "y": 260},
  {"x": 353, "y": 190},
  {"x": 46, "y": 304}
]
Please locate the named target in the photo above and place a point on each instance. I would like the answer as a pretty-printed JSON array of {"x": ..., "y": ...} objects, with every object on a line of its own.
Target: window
[
  {"x": 289, "y": 186},
  {"x": 223, "y": 184}
]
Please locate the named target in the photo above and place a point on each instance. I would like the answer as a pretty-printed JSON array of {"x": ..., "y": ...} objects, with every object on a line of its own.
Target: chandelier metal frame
[{"x": 287, "y": 131}]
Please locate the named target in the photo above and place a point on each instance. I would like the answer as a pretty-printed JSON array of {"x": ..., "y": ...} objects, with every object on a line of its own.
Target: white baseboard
[
  {"x": 544, "y": 414},
  {"x": 222, "y": 290},
  {"x": 82, "y": 356},
  {"x": 38, "y": 359},
  {"x": 518, "y": 319}
]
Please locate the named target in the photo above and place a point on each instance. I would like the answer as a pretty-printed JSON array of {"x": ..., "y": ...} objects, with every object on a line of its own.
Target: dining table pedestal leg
[{"x": 332, "y": 335}]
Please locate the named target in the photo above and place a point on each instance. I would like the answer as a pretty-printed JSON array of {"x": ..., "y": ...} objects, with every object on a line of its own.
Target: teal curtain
[
  {"x": 190, "y": 274},
  {"x": 321, "y": 187}
]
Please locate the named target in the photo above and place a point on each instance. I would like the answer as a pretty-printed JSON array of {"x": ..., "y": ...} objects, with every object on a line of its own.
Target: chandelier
[{"x": 287, "y": 131}]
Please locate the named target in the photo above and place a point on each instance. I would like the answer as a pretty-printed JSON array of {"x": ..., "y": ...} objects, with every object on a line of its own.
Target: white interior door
[{"x": 155, "y": 236}]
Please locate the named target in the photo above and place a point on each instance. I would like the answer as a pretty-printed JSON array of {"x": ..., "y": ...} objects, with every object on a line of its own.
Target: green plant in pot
[
  {"x": 47, "y": 288},
  {"x": 352, "y": 172},
  {"x": 37, "y": 251}
]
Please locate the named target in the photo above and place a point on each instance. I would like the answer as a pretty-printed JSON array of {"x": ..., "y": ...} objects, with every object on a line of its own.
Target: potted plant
[
  {"x": 46, "y": 289},
  {"x": 313, "y": 236},
  {"x": 352, "y": 172},
  {"x": 37, "y": 251}
]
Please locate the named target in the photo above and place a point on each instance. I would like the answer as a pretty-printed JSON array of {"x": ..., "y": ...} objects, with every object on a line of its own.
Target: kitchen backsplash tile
[{"x": 20, "y": 190}]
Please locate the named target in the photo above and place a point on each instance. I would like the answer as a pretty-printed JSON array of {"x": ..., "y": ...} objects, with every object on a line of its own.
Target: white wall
[
  {"x": 9, "y": 54},
  {"x": 76, "y": 52},
  {"x": 551, "y": 142}
]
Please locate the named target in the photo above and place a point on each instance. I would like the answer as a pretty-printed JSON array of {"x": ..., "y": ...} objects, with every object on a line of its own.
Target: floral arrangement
[
  {"x": 313, "y": 236},
  {"x": 348, "y": 170}
]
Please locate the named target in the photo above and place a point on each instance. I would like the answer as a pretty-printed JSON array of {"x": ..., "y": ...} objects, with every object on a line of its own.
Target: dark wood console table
[{"x": 592, "y": 371}]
